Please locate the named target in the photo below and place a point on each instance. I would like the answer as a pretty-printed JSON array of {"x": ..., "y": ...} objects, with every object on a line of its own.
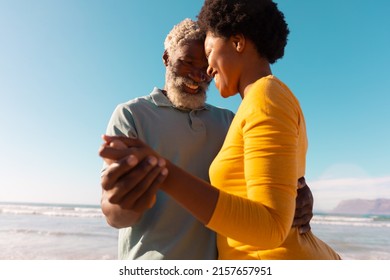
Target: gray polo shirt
[{"x": 191, "y": 140}]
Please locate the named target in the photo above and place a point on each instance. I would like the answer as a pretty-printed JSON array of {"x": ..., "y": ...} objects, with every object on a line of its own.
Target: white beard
[{"x": 181, "y": 99}]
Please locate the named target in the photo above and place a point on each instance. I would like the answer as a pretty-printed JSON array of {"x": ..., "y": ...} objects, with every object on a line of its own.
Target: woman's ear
[
  {"x": 238, "y": 42},
  {"x": 165, "y": 58}
]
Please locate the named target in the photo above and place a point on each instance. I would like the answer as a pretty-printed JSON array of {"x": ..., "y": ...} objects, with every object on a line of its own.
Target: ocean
[
  {"x": 80, "y": 232},
  {"x": 55, "y": 232}
]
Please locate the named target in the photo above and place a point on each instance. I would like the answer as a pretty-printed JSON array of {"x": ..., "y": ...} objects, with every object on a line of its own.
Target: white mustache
[{"x": 190, "y": 83}]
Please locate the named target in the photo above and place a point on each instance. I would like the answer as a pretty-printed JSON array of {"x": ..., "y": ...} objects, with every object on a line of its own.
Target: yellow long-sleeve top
[{"x": 257, "y": 171}]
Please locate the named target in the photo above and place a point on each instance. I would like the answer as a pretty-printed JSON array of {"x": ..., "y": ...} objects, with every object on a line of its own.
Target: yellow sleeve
[{"x": 269, "y": 125}]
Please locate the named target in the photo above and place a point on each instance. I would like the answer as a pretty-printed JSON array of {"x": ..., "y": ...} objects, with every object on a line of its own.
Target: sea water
[
  {"x": 64, "y": 232},
  {"x": 80, "y": 232},
  {"x": 363, "y": 237}
]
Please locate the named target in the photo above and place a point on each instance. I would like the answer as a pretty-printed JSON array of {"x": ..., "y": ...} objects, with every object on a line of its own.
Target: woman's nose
[{"x": 209, "y": 72}]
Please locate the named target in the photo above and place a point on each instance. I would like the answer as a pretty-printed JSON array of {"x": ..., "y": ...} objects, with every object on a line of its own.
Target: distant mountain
[{"x": 363, "y": 206}]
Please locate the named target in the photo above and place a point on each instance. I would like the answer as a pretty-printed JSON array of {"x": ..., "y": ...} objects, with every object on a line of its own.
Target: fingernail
[
  {"x": 132, "y": 160},
  {"x": 164, "y": 172},
  {"x": 152, "y": 161}
]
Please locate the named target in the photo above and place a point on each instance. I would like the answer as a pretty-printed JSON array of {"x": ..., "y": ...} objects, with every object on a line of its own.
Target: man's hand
[{"x": 304, "y": 208}]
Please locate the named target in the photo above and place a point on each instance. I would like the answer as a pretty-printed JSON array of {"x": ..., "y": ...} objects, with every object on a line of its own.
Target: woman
[
  {"x": 251, "y": 201},
  {"x": 265, "y": 148}
]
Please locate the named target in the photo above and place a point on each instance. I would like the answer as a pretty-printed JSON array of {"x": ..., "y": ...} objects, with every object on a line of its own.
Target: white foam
[
  {"x": 350, "y": 221},
  {"x": 49, "y": 210}
]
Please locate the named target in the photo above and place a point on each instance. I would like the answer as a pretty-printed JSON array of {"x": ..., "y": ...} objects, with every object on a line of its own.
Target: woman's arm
[{"x": 194, "y": 194}]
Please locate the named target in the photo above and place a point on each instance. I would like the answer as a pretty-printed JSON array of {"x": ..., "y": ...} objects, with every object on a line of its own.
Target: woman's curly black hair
[{"x": 258, "y": 20}]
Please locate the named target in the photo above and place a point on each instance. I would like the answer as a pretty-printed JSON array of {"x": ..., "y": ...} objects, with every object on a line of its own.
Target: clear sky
[{"x": 66, "y": 64}]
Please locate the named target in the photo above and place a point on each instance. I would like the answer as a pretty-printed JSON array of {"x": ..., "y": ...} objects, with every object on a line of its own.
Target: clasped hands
[{"x": 133, "y": 175}]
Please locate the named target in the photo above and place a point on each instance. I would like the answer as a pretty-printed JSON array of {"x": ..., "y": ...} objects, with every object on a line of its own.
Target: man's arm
[{"x": 116, "y": 216}]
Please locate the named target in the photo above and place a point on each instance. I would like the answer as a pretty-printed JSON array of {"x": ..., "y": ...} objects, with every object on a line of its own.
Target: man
[{"x": 180, "y": 126}]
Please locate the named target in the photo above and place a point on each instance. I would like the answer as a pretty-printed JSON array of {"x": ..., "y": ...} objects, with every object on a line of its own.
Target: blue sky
[{"x": 65, "y": 65}]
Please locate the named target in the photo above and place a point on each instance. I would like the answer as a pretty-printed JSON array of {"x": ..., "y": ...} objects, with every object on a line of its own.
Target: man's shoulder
[
  {"x": 138, "y": 101},
  {"x": 155, "y": 97}
]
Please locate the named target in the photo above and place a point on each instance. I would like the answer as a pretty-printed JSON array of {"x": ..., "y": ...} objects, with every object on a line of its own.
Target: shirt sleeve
[
  {"x": 121, "y": 122},
  {"x": 270, "y": 135}
]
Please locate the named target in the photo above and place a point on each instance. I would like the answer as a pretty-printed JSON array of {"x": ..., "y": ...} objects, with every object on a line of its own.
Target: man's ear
[
  {"x": 165, "y": 58},
  {"x": 238, "y": 42}
]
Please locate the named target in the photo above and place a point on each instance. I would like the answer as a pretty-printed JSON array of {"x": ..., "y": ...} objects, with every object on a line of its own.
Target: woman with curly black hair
[{"x": 265, "y": 150}]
